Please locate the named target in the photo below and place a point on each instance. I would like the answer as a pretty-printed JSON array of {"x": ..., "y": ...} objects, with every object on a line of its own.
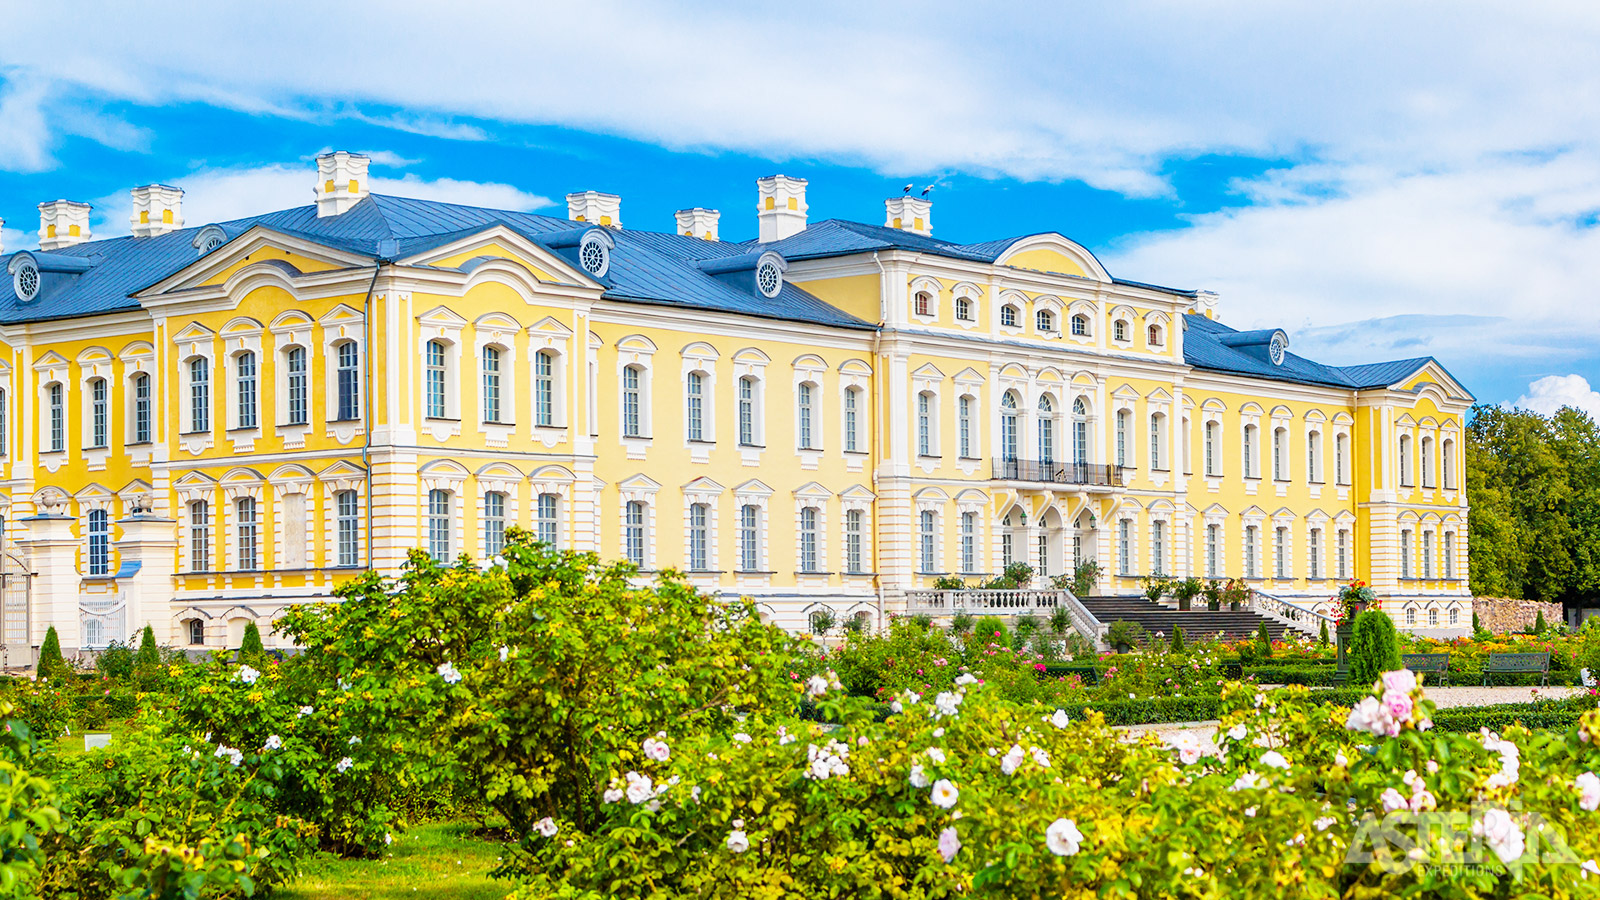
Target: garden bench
[
  {"x": 1517, "y": 663},
  {"x": 1089, "y": 674},
  {"x": 1429, "y": 662}
]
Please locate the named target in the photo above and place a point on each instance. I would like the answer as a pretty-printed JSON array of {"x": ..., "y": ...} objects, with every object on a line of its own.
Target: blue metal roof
[{"x": 1204, "y": 347}]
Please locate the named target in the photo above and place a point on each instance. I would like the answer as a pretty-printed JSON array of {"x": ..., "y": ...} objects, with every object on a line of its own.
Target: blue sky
[{"x": 1382, "y": 180}]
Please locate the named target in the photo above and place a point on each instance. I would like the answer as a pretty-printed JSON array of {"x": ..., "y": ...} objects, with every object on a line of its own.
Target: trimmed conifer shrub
[
  {"x": 1375, "y": 648},
  {"x": 1324, "y": 635},
  {"x": 250, "y": 648},
  {"x": 51, "y": 665}
]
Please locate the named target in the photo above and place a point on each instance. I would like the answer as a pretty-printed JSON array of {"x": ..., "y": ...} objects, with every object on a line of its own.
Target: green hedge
[
  {"x": 1309, "y": 675},
  {"x": 1558, "y": 715}
]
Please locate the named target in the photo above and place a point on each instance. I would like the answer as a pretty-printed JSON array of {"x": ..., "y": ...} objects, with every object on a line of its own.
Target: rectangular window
[
  {"x": 969, "y": 542},
  {"x": 923, "y": 448},
  {"x": 491, "y": 384},
  {"x": 1158, "y": 546},
  {"x": 97, "y": 412},
  {"x": 699, "y": 538},
  {"x": 1405, "y": 553},
  {"x": 439, "y": 526},
  {"x": 1124, "y": 547},
  {"x": 1450, "y": 555},
  {"x": 434, "y": 391},
  {"x": 1007, "y": 551},
  {"x": 99, "y": 542},
  {"x": 544, "y": 389},
  {"x": 808, "y": 539},
  {"x": 1279, "y": 469},
  {"x": 494, "y": 523},
  {"x": 747, "y": 412},
  {"x": 349, "y": 381},
  {"x": 1250, "y": 551},
  {"x": 1122, "y": 438},
  {"x": 1314, "y": 549},
  {"x": 630, "y": 402},
  {"x": 1211, "y": 449},
  {"x": 1044, "y": 556},
  {"x": 1313, "y": 462},
  {"x": 1341, "y": 552},
  {"x": 249, "y": 559},
  {"x": 964, "y": 425},
  {"x": 545, "y": 518},
  {"x": 245, "y": 368},
  {"x": 141, "y": 409},
  {"x": 803, "y": 401},
  {"x": 347, "y": 513},
  {"x": 1249, "y": 452},
  {"x": 694, "y": 406},
  {"x": 1338, "y": 461},
  {"x": 296, "y": 364},
  {"x": 1155, "y": 443},
  {"x": 5, "y": 418},
  {"x": 929, "y": 541},
  {"x": 199, "y": 395},
  {"x": 1427, "y": 554},
  {"x": 633, "y": 533},
  {"x": 852, "y": 540},
  {"x": 850, "y": 435},
  {"x": 1213, "y": 537},
  {"x": 749, "y": 538},
  {"x": 1427, "y": 462},
  {"x": 199, "y": 536},
  {"x": 1280, "y": 551}
]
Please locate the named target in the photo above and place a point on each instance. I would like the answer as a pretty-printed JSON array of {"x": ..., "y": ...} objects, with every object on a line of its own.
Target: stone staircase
[{"x": 1197, "y": 623}]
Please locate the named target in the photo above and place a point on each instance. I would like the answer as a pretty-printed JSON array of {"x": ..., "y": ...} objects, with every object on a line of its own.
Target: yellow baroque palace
[{"x": 202, "y": 425}]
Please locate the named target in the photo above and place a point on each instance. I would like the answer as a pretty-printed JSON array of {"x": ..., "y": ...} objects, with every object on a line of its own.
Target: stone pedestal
[
  {"x": 147, "y": 556},
  {"x": 52, "y": 550}
]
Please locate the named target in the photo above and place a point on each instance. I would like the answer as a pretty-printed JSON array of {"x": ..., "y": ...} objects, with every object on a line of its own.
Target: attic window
[
  {"x": 25, "y": 278},
  {"x": 768, "y": 279},
  {"x": 210, "y": 238},
  {"x": 593, "y": 255}
]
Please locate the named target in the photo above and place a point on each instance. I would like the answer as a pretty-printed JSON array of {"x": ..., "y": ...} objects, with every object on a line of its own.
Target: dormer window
[
  {"x": 1119, "y": 330},
  {"x": 769, "y": 278},
  {"x": 964, "y": 309},
  {"x": 594, "y": 254},
  {"x": 1044, "y": 320},
  {"x": 1080, "y": 325},
  {"x": 25, "y": 277},
  {"x": 1009, "y": 316},
  {"x": 923, "y": 304},
  {"x": 1153, "y": 336}
]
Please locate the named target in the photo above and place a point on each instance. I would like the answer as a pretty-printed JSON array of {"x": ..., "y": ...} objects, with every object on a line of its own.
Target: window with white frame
[
  {"x": 197, "y": 632},
  {"x": 99, "y": 542},
  {"x": 5, "y": 420},
  {"x": 694, "y": 405},
  {"x": 1433, "y": 616},
  {"x": 1314, "y": 554},
  {"x": 348, "y": 380},
  {"x": 1213, "y": 449},
  {"x": 1427, "y": 554},
  {"x": 1080, "y": 431},
  {"x": 247, "y": 535},
  {"x": 434, "y": 390},
  {"x": 1158, "y": 546},
  {"x": 544, "y": 389},
  {"x": 1280, "y": 551},
  {"x": 749, "y": 411},
  {"x": 1080, "y": 325},
  {"x": 1119, "y": 331},
  {"x": 1008, "y": 426},
  {"x": 699, "y": 537},
  {"x": 1154, "y": 337},
  {"x": 1448, "y": 457},
  {"x": 1248, "y": 454},
  {"x": 852, "y": 420},
  {"x": 1455, "y": 615},
  {"x": 1411, "y": 615},
  {"x": 809, "y": 519},
  {"x": 923, "y": 303},
  {"x": 1124, "y": 425},
  {"x": 969, "y": 542},
  {"x": 245, "y": 389},
  {"x": 634, "y": 531},
  {"x": 1125, "y": 547},
  {"x": 853, "y": 557},
  {"x": 58, "y": 417},
  {"x": 1010, "y": 316},
  {"x": 1158, "y": 459},
  {"x": 1404, "y": 460},
  {"x": 439, "y": 537},
  {"x": 1449, "y": 549},
  {"x": 1044, "y": 320},
  {"x": 1314, "y": 457},
  {"x": 295, "y": 370},
  {"x": 1213, "y": 546},
  {"x": 141, "y": 409},
  {"x": 347, "y": 520},
  {"x": 632, "y": 401},
  {"x": 545, "y": 521},
  {"x": 1280, "y": 454},
  {"x": 1047, "y": 430},
  {"x": 749, "y": 538},
  {"x": 964, "y": 309},
  {"x": 1405, "y": 553},
  {"x": 928, "y": 528},
  {"x": 1342, "y": 553},
  {"x": 1427, "y": 462},
  {"x": 1252, "y": 545},
  {"x": 806, "y": 415},
  {"x": 490, "y": 362},
  {"x": 964, "y": 405},
  {"x": 925, "y": 423},
  {"x": 494, "y": 523},
  {"x": 1044, "y": 556},
  {"x": 98, "y": 419},
  {"x": 199, "y": 536},
  {"x": 1340, "y": 446},
  {"x": 199, "y": 394}
]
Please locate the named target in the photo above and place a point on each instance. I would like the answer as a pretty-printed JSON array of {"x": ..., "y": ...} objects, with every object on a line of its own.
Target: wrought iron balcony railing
[{"x": 1051, "y": 472}]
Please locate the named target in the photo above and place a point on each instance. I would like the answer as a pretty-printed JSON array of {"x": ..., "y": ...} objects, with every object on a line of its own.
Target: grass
[
  {"x": 70, "y": 745},
  {"x": 441, "y": 860}
]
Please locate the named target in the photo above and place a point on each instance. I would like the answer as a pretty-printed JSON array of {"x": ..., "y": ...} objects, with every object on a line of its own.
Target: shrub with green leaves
[
  {"x": 1263, "y": 640},
  {"x": 148, "y": 672},
  {"x": 1374, "y": 647},
  {"x": 51, "y": 664},
  {"x": 251, "y": 649},
  {"x": 990, "y": 630}
]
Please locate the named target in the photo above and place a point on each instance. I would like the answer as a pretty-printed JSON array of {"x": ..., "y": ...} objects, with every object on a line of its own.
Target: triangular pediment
[
  {"x": 260, "y": 250},
  {"x": 500, "y": 243}
]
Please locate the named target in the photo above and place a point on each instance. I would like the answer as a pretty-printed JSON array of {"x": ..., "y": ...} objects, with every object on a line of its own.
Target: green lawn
[{"x": 431, "y": 861}]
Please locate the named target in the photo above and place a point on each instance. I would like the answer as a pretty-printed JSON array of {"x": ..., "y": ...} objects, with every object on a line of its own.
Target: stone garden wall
[{"x": 1501, "y": 615}]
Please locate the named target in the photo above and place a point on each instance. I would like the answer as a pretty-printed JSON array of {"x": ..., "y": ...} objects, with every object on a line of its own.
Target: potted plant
[
  {"x": 1124, "y": 635},
  {"x": 1354, "y": 599},
  {"x": 1236, "y": 593},
  {"x": 1155, "y": 586},
  {"x": 1186, "y": 590},
  {"x": 1213, "y": 592},
  {"x": 1085, "y": 576}
]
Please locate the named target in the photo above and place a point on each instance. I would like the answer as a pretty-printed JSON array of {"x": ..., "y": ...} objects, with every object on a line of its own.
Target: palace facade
[{"x": 201, "y": 425}]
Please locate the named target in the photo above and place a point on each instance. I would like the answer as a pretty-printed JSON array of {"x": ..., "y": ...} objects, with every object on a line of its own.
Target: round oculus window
[
  {"x": 25, "y": 280},
  {"x": 212, "y": 243},
  {"x": 592, "y": 255},
  {"x": 769, "y": 279},
  {"x": 1276, "y": 349}
]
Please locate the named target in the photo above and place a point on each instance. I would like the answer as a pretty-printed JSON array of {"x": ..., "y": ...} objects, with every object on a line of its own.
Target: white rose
[
  {"x": 1063, "y": 837},
  {"x": 546, "y": 826},
  {"x": 738, "y": 842},
  {"x": 944, "y": 794},
  {"x": 1588, "y": 792}
]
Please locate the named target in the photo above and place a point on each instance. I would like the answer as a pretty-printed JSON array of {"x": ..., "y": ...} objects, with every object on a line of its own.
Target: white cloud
[{"x": 1547, "y": 395}]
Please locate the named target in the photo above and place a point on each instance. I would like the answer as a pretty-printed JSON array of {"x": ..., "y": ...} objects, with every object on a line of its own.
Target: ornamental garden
[{"x": 587, "y": 737}]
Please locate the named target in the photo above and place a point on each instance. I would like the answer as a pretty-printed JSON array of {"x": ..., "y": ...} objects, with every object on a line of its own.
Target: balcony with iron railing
[{"x": 1053, "y": 472}]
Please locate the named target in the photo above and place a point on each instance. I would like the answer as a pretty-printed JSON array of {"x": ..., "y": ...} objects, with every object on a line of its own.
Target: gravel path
[{"x": 1444, "y": 697}]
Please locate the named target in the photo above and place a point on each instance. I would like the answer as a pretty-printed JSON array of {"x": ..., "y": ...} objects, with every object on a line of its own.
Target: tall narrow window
[
  {"x": 439, "y": 526},
  {"x": 694, "y": 405},
  {"x": 245, "y": 368},
  {"x": 1340, "y": 443},
  {"x": 1249, "y": 452},
  {"x": 852, "y": 436},
  {"x": 1280, "y": 454},
  {"x": 852, "y": 540},
  {"x": 924, "y": 304},
  {"x": 249, "y": 553},
  {"x": 1213, "y": 538},
  {"x": 1448, "y": 457},
  {"x": 633, "y": 532},
  {"x": 964, "y": 425},
  {"x": 58, "y": 419},
  {"x": 808, "y": 539},
  {"x": 491, "y": 384},
  {"x": 1008, "y": 427},
  {"x": 1044, "y": 556},
  {"x": 544, "y": 389},
  {"x": 347, "y": 513},
  {"x": 1449, "y": 550},
  {"x": 1157, "y": 458},
  {"x": 803, "y": 396},
  {"x": 99, "y": 542},
  {"x": 5, "y": 419},
  {"x": 1080, "y": 432},
  {"x": 924, "y": 424},
  {"x": 435, "y": 387},
  {"x": 545, "y": 520},
  {"x": 1158, "y": 546},
  {"x": 1122, "y": 436},
  {"x": 1314, "y": 457},
  {"x": 199, "y": 536},
  {"x": 1405, "y": 553},
  {"x": 1427, "y": 462},
  {"x": 141, "y": 409},
  {"x": 1404, "y": 461},
  {"x": 1047, "y": 431},
  {"x": 97, "y": 412},
  {"x": 1250, "y": 533},
  {"x": 749, "y": 538},
  {"x": 630, "y": 402},
  {"x": 1211, "y": 449},
  {"x": 348, "y": 381},
  {"x": 494, "y": 523},
  {"x": 1342, "y": 553},
  {"x": 747, "y": 411},
  {"x": 969, "y": 542},
  {"x": 199, "y": 394},
  {"x": 1427, "y": 554},
  {"x": 930, "y": 544},
  {"x": 1280, "y": 551},
  {"x": 1314, "y": 552},
  {"x": 699, "y": 537},
  {"x": 295, "y": 366},
  {"x": 1125, "y": 547}
]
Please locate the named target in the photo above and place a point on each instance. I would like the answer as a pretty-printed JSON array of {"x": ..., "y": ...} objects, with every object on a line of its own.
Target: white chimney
[
  {"x": 595, "y": 208},
  {"x": 341, "y": 182},
  {"x": 698, "y": 222},
  {"x": 2, "y": 235},
  {"x": 63, "y": 223},
  {"x": 780, "y": 207},
  {"x": 157, "y": 209},
  {"x": 909, "y": 213}
]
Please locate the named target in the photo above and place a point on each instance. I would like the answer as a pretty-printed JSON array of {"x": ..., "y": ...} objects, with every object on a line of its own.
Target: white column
[
  {"x": 52, "y": 550},
  {"x": 147, "y": 551}
]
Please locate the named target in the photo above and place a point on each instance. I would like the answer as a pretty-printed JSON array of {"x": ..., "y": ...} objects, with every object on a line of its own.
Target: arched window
[
  {"x": 852, "y": 420},
  {"x": 295, "y": 365},
  {"x": 348, "y": 380},
  {"x": 699, "y": 537},
  {"x": 1427, "y": 462},
  {"x": 1010, "y": 316},
  {"x": 1080, "y": 325},
  {"x": 1044, "y": 320},
  {"x": 249, "y": 558},
  {"x": 1404, "y": 461},
  {"x": 439, "y": 538},
  {"x": 930, "y": 541},
  {"x": 694, "y": 405},
  {"x": 99, "y": 542},
  {"x": 491, "y": 384},
  {"x": 808, "y": 539},
  {"x": 805, "y": 395},
  {"x": 197, "y": 633},
  {"x": 1119, "y": 331},
  {"x": 631, "y": 421},
  {"x": 924, "y": 303},
  {"x": 749, "y": 538},
  {"x": 1448, "y": 457},
  {"x": 199, "y": 394},
  {"x": 964, "y": 309},
  {"x": 1455, "y": 615},
  {"x": 1047, "y": 430},
  {"x": 141, "y": 409},
  {"x": 97, "y": 412},
  {"x": 347, "y": 514},
  {"x": 1080, "y": 432},
  {"x": 1153, "y": 336},
  {"x": 544, "y": 389},
  {"x": 199, "y": 536},
  {"x": 749, "y": 420},
  {"x": 435, "y": 389},
  {"x": 245, "y": 393},
  {"x": 545, "y": 520},
  {"x": 1008, "y": 426}
]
